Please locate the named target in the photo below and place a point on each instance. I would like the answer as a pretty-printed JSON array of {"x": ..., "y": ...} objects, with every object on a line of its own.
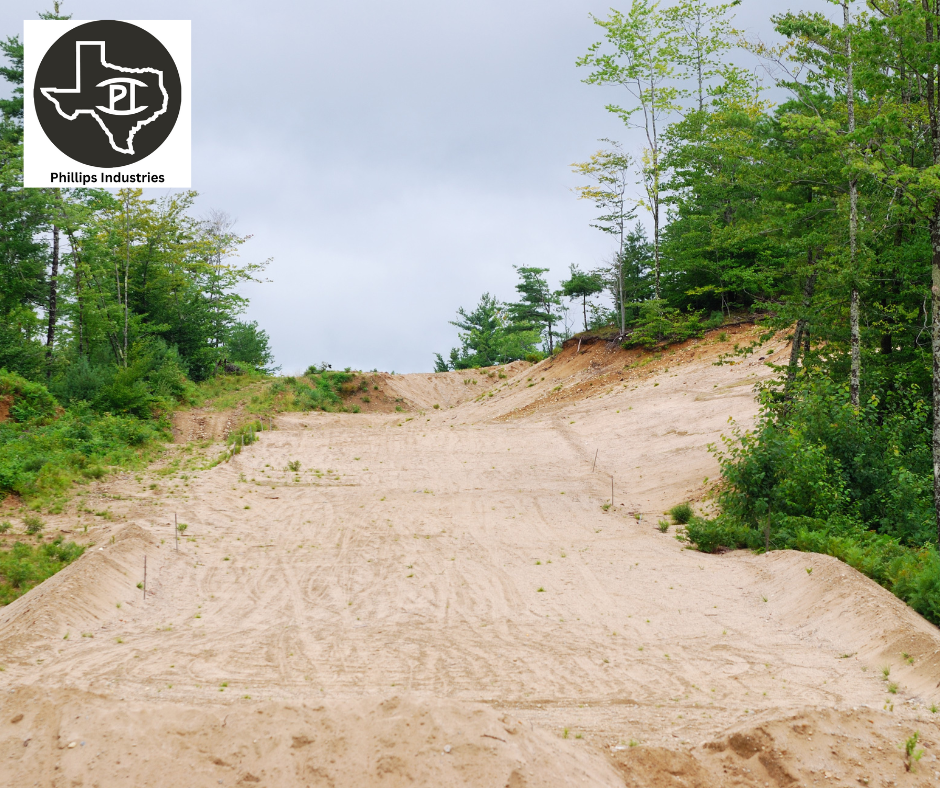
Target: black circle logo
[{"x": 107, "y": 93}]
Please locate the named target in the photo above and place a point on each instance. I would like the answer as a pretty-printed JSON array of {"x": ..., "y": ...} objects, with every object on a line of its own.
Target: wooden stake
[{"x": 595, "y": 461}]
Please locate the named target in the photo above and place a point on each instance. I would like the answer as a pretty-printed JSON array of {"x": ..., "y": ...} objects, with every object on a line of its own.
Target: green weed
[
  {"x": 911, "y": 753},
  {"x": 682, "y": 513}
]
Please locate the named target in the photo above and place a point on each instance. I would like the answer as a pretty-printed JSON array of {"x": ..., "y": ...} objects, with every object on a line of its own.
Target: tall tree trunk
[
  {"x": 656, "y": 228},
  {"x": 932, "y": 12},
  {"x": 53, "y": 300},
  {"x": 802, "y": 325},
  {"x": 935, "y": 349},
  {"x": 854, "y": 330},
  {"x": 79, "y": 293}
]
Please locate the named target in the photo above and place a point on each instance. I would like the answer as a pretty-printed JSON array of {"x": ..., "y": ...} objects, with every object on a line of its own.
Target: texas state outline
[{"x": 78, "y": 89}]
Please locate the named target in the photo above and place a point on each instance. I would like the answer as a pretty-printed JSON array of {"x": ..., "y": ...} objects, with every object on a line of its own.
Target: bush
[
  {"x": 44, "y": 460},
  {"x": 658, "y": 322},
  {"x": 29, "y": 403},
  {"x": 33, "y": 523},
  {"x": 681, "y": 513},
  {"x": 822, "y": 476}
]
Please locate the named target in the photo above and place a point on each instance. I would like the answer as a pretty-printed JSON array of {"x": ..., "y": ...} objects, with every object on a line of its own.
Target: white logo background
[{"x": 42, "y": 158}]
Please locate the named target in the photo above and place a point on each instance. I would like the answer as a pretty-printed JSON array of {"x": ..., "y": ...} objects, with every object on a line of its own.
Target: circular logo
[{"x": 107, "y": 94}]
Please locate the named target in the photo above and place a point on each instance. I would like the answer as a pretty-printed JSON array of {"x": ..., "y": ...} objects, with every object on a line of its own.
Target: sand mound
[
  {"x": 201, "y": 425},
  {"x": 83, "y": 596},
  {"x": 469, "y": 559},
  {"x": 449, "y": 389},
  {"x": 75, "y": 738},
  {"x": 862, "y": 620},
  {"x": 855, "y": 747}
]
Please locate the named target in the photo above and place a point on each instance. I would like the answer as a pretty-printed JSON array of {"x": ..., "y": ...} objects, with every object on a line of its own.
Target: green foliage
[
  {"x": 488, "y": 337},
  {"x": 24, "y": 566},
  {"x": 660, "y": 323},
  {"x": 250, "y": 345},
  {"x": 34, "y": 524},
  {"x": 912, "y": 754},
  {"x": 582, "y": 285},
  {"x": 819, "y": 476},
  {"x": 41, "y": 457},
  {"x": 29, "y": 403},
  {"x": 682, "y": 513}
]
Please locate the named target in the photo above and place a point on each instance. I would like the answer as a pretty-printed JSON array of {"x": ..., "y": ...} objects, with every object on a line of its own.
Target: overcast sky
[{"x": 395, "y": 157}]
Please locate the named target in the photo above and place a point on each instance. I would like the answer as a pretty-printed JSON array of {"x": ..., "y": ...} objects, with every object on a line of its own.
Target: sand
[{"x": 443, "y": 597}]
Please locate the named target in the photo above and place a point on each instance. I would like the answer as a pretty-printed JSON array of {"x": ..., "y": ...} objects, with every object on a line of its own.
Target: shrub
[
  {"x": 681, "y": 513},
  {"x": 658, "y": 322},
  {"x": 33, "y": 523},
  {"x": 29, "y": 403}
]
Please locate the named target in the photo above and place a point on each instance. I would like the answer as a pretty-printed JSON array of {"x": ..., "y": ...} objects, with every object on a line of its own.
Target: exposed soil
[{"x": 439, "y": 597}]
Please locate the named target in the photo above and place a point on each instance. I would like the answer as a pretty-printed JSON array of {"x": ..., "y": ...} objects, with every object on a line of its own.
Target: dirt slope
[{"x": 452, "y": 557}]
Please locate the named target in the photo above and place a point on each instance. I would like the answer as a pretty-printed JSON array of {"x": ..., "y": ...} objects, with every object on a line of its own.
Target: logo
[
  {"x": 108, "y": 103},
  {"x": 107, "y": 93}
]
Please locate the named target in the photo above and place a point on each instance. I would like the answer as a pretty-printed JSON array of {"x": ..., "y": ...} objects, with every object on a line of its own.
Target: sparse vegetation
[{"x": 911, "y": 752}]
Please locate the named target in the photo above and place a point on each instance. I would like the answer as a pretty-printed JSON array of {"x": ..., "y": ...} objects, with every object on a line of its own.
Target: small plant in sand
[
  {"x": 663, "y": 526},
  {"x": 34, "y": 523},
  {"x": 293, "y": 465},
  {"x": 682, "y": 513},
  {"x": 911, "y": 753},
  {"x": 5, "y": 526}
]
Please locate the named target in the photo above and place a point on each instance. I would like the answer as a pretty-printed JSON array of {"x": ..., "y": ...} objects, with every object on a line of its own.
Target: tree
[
  {"x": 582, "y": 285},
  {"x": 641, "y": 59},
  {"x": 486, "y": 338},
  {"x": 537, "y": 309},
  {"x": 248, "y": 344},
  {"x": 609, "y": 171},
  {"x": 702, "y": 34}
]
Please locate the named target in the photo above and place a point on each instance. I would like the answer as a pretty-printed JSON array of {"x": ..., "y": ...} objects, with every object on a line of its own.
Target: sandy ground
[{"x": 440, "y": 597}]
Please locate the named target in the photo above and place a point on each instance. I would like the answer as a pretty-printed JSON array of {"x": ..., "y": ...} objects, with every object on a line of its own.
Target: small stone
[
  {"x": 447, "y": 748},
  {"x": 72, "y": 744}
]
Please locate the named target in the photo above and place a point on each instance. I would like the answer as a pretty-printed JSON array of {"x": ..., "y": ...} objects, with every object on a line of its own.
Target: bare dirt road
[{"x": 441, "y": 597}]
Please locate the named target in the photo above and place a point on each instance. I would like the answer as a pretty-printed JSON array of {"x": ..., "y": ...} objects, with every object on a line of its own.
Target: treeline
[
  {"x": 820, "y": 213},
  {"x": 112, "y": 304}
]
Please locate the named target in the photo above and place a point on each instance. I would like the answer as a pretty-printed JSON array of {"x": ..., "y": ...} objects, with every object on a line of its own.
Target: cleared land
[{"x": 438, "y": 597}]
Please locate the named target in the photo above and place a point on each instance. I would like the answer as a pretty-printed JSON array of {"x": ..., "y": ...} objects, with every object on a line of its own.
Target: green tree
[
  {"x": 537, "y": 309},
  {"x": 487, "y": 338},
  {"x": 609, "y": 173},
  {"x": 582, "y": 285}
]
